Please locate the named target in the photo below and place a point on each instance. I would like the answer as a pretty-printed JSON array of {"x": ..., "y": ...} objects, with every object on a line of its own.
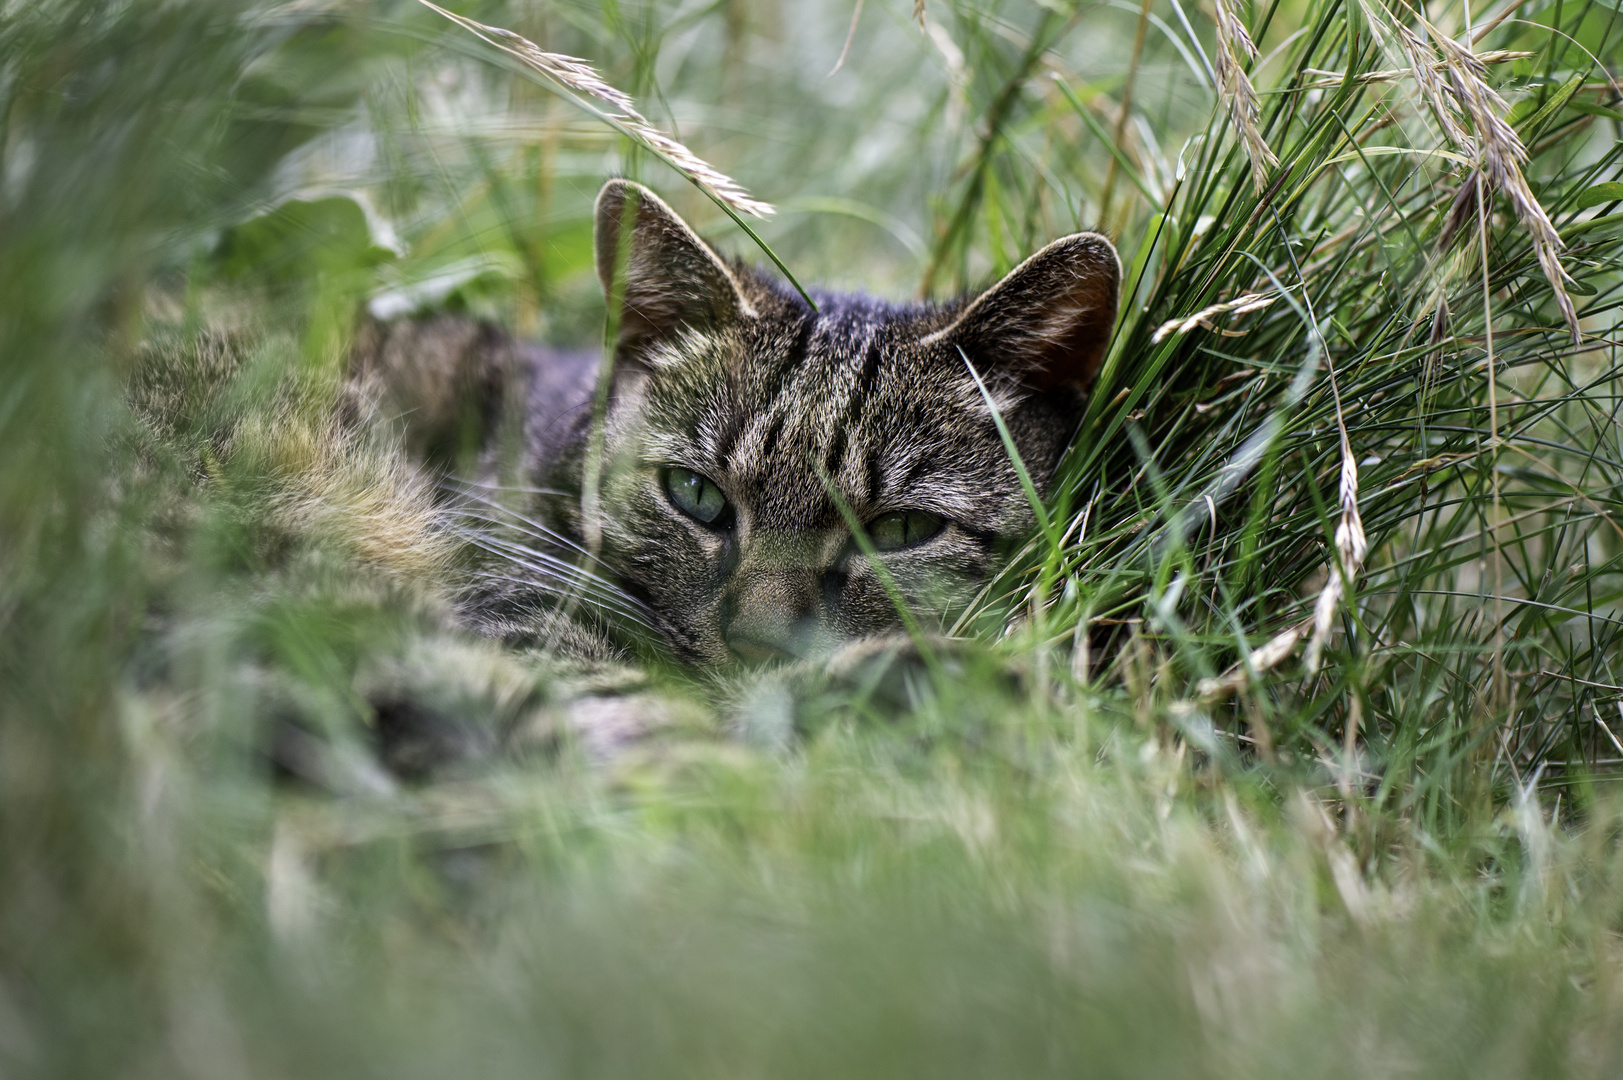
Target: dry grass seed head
[
  {"x": 1498, "y": 150},
  {"x": 573, "y": 73},
  {"x": 1233, "y": 43},
  {"x": 1240, "y": 305},
  {"x": 1352, "y": 546},
  {"x": 1500, "y": 154},
  {"x": 1425, "y": 69}
]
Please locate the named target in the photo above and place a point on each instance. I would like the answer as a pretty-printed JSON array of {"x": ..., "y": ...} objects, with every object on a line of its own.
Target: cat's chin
[{"x": 756, "y": 654}]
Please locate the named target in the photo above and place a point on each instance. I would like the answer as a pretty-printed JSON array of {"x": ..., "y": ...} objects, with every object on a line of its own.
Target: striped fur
[{"x": 724, "y": 371}]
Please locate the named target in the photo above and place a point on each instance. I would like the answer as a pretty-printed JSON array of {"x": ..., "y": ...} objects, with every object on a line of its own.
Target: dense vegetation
[{"x": 1307, "y": 762}]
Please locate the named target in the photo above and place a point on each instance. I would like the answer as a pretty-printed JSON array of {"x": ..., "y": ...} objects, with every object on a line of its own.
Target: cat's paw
[
  {"x": 884, "y": 677},
  {"x": 891, "y": 671},
  {"x": 605, "y": 727},
  {"x": 445, "y": 706}
]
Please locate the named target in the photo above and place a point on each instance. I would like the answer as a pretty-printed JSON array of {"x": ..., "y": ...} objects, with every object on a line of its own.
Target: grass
[{"x": 1171, "y": 845}]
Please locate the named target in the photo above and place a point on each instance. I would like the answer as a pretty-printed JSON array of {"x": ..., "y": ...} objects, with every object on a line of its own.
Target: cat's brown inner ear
[
  {"x": 1047, "y": 323},
  {"x": 666, "y": 277}
]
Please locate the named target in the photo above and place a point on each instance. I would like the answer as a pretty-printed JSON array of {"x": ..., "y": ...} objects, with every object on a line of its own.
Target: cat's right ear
[{"x": 661, "y": 275}]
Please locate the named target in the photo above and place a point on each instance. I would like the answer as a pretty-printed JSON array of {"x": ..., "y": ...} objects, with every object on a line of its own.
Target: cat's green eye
[
  {"x": 696, "y": 496},
  {"x": 904, "y": 528}
]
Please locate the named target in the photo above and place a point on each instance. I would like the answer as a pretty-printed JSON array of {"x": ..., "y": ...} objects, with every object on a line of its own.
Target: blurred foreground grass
[{"x": 1403, "y": 862}]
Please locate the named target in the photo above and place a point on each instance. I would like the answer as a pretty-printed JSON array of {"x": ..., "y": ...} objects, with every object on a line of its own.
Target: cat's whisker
[
  {"x": 597, "y": 603},
  {"x": 593, "y": 593},
  {"x": 507, "y": 517},
  {"x": 628, "y": 607},
  {"x": 554, "y": 574},
  {"x": 527, "y": 527},
  {"x": 464, "y": 486},
  {"x": 637, "y": 617},
  {"x": 534, "y": 559},
  {"x": 525, "y": 524},
  {"x": 539, "y": 561}
]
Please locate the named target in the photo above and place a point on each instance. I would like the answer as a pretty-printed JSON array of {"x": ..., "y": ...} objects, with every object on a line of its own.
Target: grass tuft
[{"x": 1288, "y": 746}]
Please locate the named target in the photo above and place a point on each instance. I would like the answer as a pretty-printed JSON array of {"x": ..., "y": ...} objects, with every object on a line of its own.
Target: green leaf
[
  {"x": 1589, "y": 109},
  {"x": 1528, "y": 128},
  {"x": 421, "y": 287},
  {"x": 1611, "y": 191},
  {"x": 299, "y": 238}
]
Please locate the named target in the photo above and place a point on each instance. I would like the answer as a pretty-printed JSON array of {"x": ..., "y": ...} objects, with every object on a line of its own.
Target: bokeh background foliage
[{"x": 1139, "y": 857}]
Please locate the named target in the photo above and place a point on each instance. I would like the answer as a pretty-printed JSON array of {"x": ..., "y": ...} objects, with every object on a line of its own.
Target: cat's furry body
[{"x": 795, "y": 423}]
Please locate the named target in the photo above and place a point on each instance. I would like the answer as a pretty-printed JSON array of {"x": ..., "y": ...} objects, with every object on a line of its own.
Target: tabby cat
[{"x": 757, "y": 469}]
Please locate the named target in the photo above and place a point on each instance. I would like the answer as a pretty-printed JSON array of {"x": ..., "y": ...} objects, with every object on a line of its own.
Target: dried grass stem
[
  {"x": 1234, "y": 47},
  {"x": 574, "y": 74}
]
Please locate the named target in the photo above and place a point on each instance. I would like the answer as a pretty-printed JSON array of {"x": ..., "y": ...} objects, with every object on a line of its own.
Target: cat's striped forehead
[{"x": 777, "y": 411}]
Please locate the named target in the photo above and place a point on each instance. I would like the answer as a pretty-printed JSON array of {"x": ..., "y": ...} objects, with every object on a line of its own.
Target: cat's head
[{"x": 747, "y": 433}]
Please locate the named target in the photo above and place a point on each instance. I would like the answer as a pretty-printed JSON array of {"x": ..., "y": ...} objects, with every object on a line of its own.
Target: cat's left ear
[{"x": 1048, "y": 323}]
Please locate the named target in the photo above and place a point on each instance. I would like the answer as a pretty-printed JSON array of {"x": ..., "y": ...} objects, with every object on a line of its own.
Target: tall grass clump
[{"x": 1288, "y": 747}]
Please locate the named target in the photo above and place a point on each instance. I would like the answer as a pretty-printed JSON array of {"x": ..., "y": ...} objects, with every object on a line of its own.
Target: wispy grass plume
[
  {"x": 1472, "y": 116},
  {"x": 1351, "y": 546},
  {"x": 1234, "y": 49},
  {"x": 1500, "y": 156},
  {"x": 1240, "y": 305},
  {"x": 574, "y": 74}
]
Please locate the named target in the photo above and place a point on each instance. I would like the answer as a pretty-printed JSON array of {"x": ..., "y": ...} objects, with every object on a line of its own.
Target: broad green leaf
[
  {"x": 1611, "y": 191},
  {"x": 1590, "y": 109},
  {"x": 302, "y": 237}
]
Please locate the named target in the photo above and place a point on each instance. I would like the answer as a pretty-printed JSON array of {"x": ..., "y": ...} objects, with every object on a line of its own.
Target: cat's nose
[{"x": 770, "y": 618}]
